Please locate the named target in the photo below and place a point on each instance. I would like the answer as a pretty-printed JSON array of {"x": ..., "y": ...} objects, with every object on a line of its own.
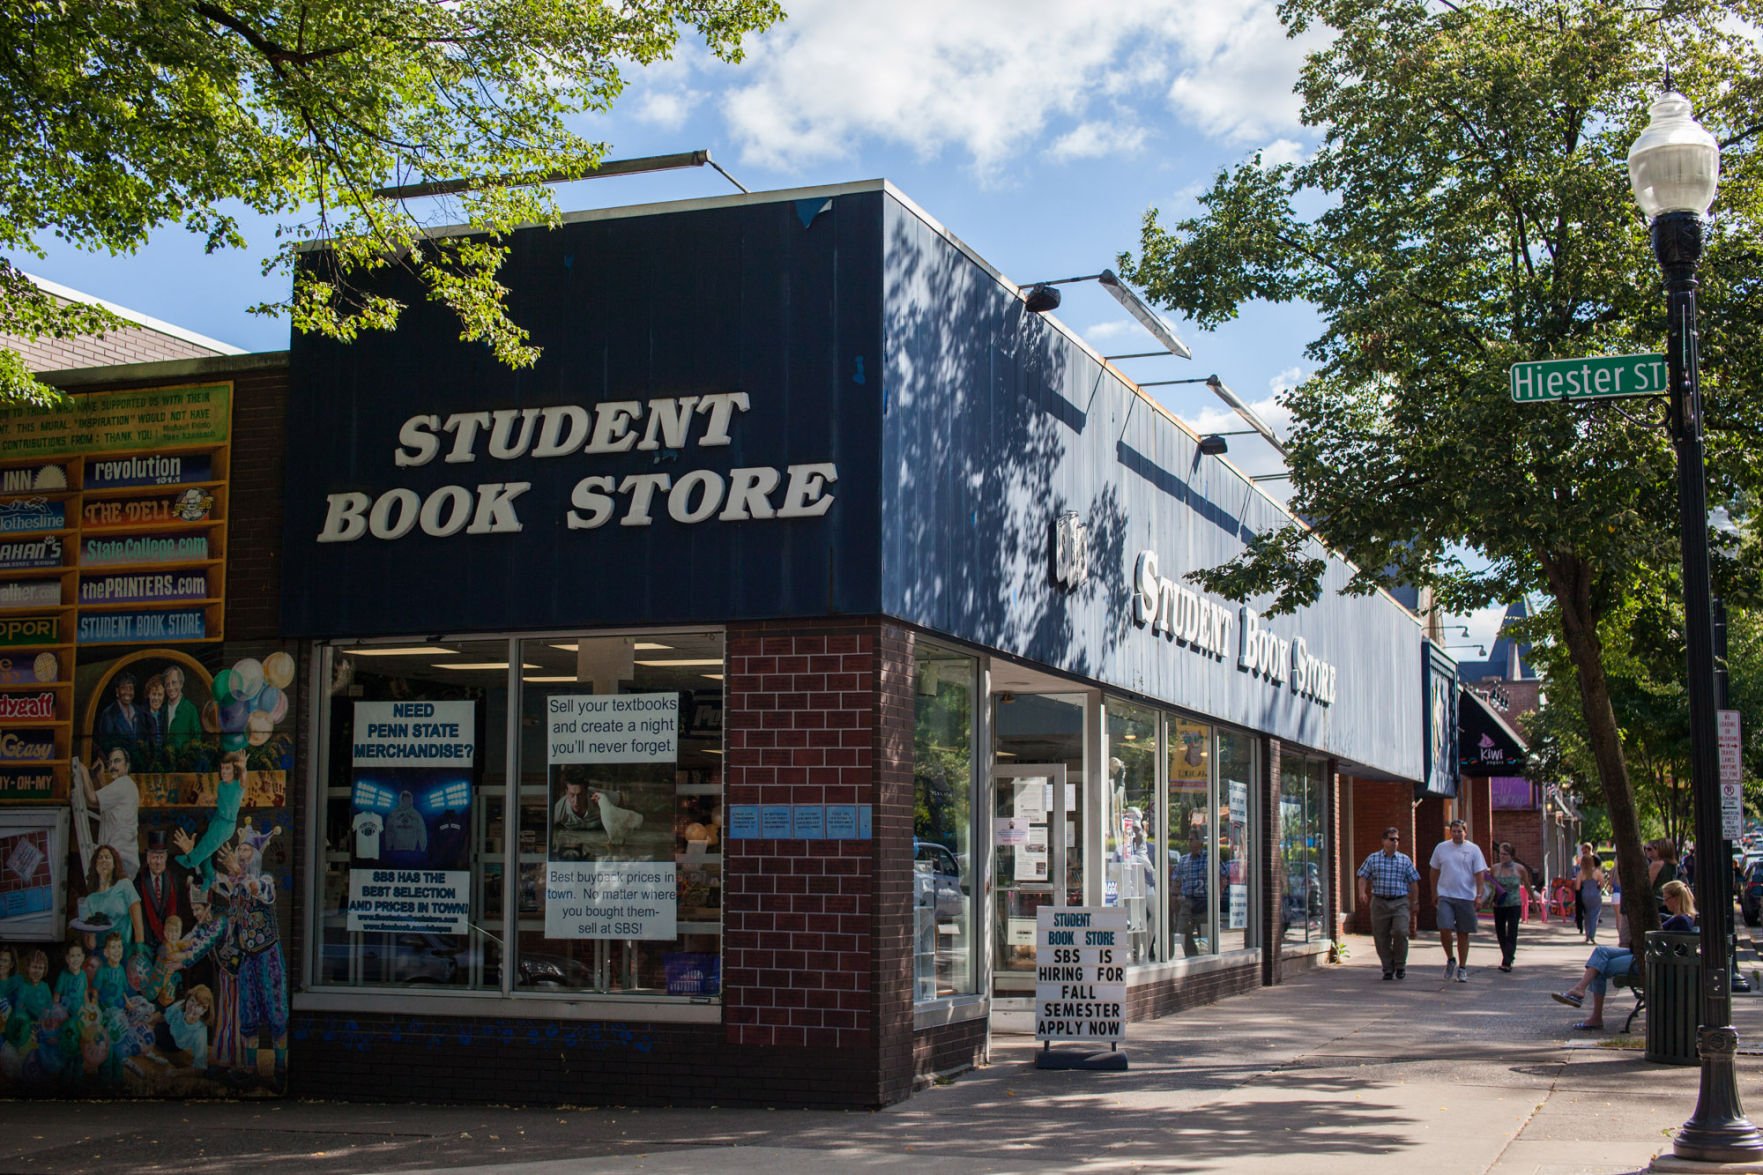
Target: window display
[
  {"x": 942, "y": 823},
  {"x": 1301, "y": 845},
  {"x": 1195, "y": 869},
  {"x": 1238, "y": 771},
  {"x": 1131, "y": 838},
  {"x": 595, "y": 867}
]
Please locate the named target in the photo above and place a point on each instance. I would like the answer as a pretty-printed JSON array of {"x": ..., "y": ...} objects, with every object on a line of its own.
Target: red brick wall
[
  {"x": 1376, "y": 806},
  {"x": 1525, "y": 831},
  {"x": 132, "y": 344},
  {"x": 799, "y": 929}
]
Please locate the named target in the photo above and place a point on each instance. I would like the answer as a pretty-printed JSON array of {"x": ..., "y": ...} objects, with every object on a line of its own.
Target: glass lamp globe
[{"x": 1675, "y": 165}]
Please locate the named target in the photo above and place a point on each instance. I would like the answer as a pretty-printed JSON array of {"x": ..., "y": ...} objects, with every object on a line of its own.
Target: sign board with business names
[
  {"x": 30, "y": 593},
  {"x": 188, "y": 624},
  {"x": 28, "y": 514},
  {"x": 18, "y": 632},
  {"x": 20, "y": 554},
  {"x": 29, "y": 668},
  {"x": 25, "y": 784}
]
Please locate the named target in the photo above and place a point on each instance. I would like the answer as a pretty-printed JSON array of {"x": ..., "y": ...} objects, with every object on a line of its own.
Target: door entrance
[{"x": 1032, "y": 811}]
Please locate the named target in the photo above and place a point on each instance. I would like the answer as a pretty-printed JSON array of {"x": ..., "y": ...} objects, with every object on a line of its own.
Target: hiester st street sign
[{"x": 1581, "y": 379}]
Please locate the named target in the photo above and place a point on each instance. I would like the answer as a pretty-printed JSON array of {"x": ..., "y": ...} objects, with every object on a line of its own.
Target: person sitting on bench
[{"x": 1606, "y": 962}]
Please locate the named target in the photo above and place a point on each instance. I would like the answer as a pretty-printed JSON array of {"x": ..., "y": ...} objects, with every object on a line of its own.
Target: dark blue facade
[
  {"x": 776, "y": 302},
  {"x": 866, "y": 341}
]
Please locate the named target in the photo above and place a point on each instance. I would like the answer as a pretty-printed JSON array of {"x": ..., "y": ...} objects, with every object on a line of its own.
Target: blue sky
[{"x": 1039, "y": 132}]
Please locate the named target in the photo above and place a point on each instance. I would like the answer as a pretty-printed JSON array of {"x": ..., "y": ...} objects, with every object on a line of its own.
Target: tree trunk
[{"x": 1569, "y": 581}]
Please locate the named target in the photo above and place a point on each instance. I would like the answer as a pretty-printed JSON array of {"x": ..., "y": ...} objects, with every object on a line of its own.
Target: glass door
[{"x": 1032, "y": 811}]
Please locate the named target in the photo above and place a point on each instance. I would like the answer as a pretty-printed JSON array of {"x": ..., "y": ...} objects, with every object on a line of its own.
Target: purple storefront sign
[{"x": 1512, "y": 793}]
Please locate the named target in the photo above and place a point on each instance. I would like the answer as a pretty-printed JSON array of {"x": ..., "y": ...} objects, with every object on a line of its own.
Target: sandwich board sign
[{"x": 1080, "y": 984}]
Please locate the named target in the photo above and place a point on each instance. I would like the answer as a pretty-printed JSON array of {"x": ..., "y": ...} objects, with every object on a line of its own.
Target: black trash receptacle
[{"x": 1674, "y": 997}]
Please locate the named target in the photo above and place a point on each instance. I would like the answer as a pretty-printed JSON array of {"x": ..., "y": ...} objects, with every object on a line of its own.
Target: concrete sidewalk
[{"x": 1336, "y": 1071}]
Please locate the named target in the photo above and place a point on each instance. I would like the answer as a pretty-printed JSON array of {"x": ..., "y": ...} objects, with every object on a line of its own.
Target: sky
[{"x": 1038, "y": 132}]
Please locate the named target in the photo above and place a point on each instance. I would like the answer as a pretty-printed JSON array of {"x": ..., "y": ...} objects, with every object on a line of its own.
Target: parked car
[
  {"x": 1751, "y": 896},
  {"x": 936, "y": 880}
]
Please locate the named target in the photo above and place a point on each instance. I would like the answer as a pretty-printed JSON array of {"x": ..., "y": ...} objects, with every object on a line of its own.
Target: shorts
[{"x": 1457, "y": 914}]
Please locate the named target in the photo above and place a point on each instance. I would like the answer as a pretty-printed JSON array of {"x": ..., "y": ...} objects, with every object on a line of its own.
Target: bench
[{"x": 1635, "y": 980}]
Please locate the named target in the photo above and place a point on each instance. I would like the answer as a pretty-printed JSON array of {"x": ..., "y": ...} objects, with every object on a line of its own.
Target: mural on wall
[
  {"x": 170, "y": 977},
  {"x": 144, "y": 835}
]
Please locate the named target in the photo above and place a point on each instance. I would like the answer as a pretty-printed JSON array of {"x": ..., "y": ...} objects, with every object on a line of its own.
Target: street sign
[
  {"x": 1597, "y": 378},
  {"x": 1732, "y": 787}
]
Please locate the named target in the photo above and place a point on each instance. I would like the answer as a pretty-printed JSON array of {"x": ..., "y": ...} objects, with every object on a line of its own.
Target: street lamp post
[{"x": 1674, "y": 168}]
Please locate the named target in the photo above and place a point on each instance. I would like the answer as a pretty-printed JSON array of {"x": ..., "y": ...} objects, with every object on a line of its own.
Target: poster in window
[
  {"x": 410, "y": 797},
  {"x": 610, "y": 871}
]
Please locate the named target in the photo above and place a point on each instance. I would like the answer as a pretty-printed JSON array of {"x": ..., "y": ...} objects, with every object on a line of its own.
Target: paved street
[{"x": 1337, "y": 1071}]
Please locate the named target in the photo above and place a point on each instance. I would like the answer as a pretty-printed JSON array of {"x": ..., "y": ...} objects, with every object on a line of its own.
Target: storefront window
[
  {"x": 944, "y": 688},
  {"x": 597, "y": 868},
  {"x": 1237, "y": 775},
  {"x": 1131, "y": 844},
  {"x": 1195, "y": 870},
  {"x": 620, "y": 814},
  {"x": 412, "y": 787},
  {"x": 1301, "y": 847}
]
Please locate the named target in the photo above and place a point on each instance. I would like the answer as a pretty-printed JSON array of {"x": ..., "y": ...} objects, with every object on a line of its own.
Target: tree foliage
[
  {"x": 1466, "y": 209},
  {"x": 118, "y": 118}
]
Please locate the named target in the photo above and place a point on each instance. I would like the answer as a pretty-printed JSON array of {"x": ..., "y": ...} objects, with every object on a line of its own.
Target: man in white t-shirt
[
  {"x": 1458, "y": 871},
  {"x": 119, "y": 807}
]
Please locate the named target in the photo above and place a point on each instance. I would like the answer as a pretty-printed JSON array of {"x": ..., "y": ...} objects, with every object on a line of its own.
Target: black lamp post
[{"x": 1675, "y": 168}]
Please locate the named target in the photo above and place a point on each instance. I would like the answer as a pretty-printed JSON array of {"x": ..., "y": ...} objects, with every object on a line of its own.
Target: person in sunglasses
[{"x": 1390, "y": 884}]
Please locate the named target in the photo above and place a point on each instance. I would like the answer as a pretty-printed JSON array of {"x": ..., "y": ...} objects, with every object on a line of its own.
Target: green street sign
[{"x": 1601, "y": 377}]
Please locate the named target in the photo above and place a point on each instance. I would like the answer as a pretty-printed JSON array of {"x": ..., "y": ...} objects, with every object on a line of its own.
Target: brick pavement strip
[{"x": 1334, "y": 1071}]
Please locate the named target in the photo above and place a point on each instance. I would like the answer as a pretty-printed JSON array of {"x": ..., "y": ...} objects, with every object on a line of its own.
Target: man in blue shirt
[{"x": 1390, "y": 884}]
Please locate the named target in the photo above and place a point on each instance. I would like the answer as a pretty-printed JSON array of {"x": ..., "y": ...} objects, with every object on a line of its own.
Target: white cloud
[
  {"x": 991, "y": 78},
  {"x": 1286, "y": 380},
  {"x": 667, "y": 109},
  {"x": 1283, "y": 151},
  {"x": 1239, "y": 68},
  {"x": 1093, "y": 140},
  {"x": 1104, "y": 331}
]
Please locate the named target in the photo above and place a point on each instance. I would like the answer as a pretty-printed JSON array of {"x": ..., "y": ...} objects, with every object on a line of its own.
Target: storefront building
[{"x": 702, "y": 715}]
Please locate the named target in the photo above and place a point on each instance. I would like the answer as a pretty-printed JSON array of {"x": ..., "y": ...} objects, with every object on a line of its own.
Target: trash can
[{"x": 1674, "y": 997}]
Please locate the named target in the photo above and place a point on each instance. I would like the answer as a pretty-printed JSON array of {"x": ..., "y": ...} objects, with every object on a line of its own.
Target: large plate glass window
[
  {"x": 1130, "y": 838},
  {"x": 1301, "y": 847},
  {"x": 1197, "y": 866},
  {"x": 1237, "y": 852},
  {"x": 619, "y": 887},
  {"x": 413, "y": 782},
  {"x": 944, "y": 691}
]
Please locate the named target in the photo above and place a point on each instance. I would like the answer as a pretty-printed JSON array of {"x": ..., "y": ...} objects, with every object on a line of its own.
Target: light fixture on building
[
  {"x": 1214, "y": 444},
  {"x": 1040, "y": 297}
]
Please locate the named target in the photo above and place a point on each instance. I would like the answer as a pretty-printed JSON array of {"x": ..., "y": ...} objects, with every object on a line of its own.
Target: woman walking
[
  {"x": 1590, "y": 883},
  {"x": 1511, "y": 881}
]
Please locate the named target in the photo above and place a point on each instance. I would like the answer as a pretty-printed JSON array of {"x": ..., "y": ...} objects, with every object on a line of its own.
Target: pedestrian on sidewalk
[
  {"x": 1511, "y": 877},
  {"x": 1607, "y": 962},
  {"x": 1589, "y": 882},
  {"x": 1585, "y": 850},
  {"x": 1458, "y": 871},
  {"x": 1390, "y": 884}
]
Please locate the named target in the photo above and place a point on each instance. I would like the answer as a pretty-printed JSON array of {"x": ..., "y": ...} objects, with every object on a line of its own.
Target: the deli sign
[
  {"x": 666, "y": 427},
  {"x": 1183, "y": 615}
]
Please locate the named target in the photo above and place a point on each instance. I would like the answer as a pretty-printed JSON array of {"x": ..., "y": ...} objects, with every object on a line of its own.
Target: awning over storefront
[{"x": 1487, "y": 745}]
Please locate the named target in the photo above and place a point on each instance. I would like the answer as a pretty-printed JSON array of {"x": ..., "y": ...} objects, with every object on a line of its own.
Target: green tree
[
  {"x": 119, "y": 118},
  {"x": 1468, "y": 208}
]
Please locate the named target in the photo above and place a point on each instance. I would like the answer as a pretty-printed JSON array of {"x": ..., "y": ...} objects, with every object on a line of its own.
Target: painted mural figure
[
  {"x": 153, "y": 729},
  {"x": 122, "y": 722},
  {"x": 252, "y": 952},
  {"x": 182, "y": 721},
  {"x": 229, "y": 794},
  {"x": 158, "y": 892},
  {"x": 111, "y": 902},
  {"x": 118, "y": 804}
]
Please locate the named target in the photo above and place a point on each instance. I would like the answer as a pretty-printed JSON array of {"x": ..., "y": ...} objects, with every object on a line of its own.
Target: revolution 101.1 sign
[{"x": 1080, "y": 973}]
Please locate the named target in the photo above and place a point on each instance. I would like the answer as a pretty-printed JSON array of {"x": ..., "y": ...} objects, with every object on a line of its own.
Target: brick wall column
[{"x": 800, "y": 933}]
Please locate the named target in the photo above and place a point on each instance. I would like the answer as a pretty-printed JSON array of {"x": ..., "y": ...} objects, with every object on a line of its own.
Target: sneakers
[
  {"x": 1389, "y": 974},
  {"x": 1462, "y": 974},
  {"x": 1450, "y": 970},
  {"x": 1401, "y": 972}
]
